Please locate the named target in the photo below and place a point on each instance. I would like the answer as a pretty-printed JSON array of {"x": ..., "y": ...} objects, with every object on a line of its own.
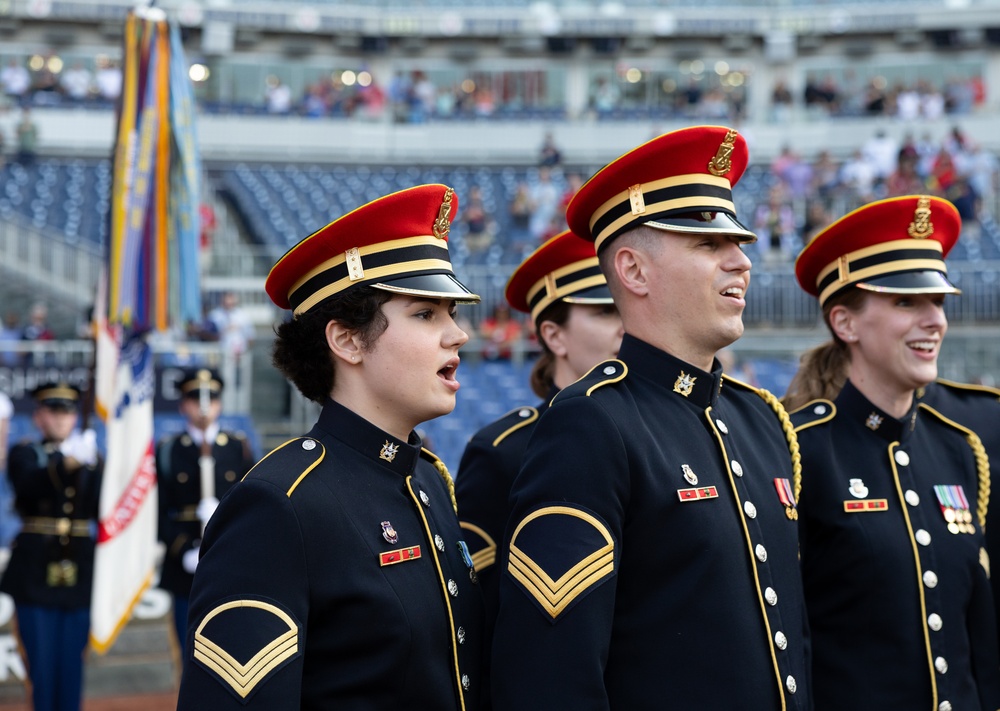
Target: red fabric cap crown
[
  {"x": 683, "y": 172},
  {"x": 398, "y": 243},
  {"x": 895, "y": 243},
  {"x": 564, "y": 266}
]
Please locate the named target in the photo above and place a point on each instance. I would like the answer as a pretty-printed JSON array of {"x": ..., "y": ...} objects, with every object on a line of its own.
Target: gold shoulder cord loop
[
  {"x": 793, "y": 441},
  {"x": 443, "y": 471},
  {"x": 983, "y": 469}
]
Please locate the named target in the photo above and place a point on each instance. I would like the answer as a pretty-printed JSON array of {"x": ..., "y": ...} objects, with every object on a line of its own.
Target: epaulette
[
  {"x": 982, "y": 462},
  {"x": 606, "y": 373},
  {"x": 786, "y": 427},
  {"x": 288, "y": 464},
  {"x": 968, "y": 387},
  {"x": 815, "y": 412},
  {"x": 443, "y": 471},
  {"x": 513, "y": 421}
]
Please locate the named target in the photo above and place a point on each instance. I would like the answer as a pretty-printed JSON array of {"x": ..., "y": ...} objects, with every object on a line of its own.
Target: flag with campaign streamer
[{"x": 151, "y": 283}]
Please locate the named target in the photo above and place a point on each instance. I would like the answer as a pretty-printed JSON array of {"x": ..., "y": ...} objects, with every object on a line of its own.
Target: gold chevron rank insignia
[
  {"x": 481, "y": 545},
  {"x": 243, "y": 642},
  {"x": 558, "y": 555}
]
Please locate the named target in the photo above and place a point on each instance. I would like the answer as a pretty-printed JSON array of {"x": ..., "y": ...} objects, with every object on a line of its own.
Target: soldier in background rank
[
  {"x": 894, "y": 494},
  {"x": 978, "y": 408},
  {"x": 651, "y": 558},
  {"x": 194, "y": 469},
  {"x": 56, "y": 484},
  {"x": 578, "y": 326},
  {"x": 335, "y": 576}
]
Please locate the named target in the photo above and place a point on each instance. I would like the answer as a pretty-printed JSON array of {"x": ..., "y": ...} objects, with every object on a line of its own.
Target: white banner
[{"x": 126, "y": 542}]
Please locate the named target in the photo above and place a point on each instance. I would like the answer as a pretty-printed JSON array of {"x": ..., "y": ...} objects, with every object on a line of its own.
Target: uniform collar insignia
[
  {"x": 684, "y": 384},
  {"x": 874, "y": 421},
  {"x": 389, "y": 451}
]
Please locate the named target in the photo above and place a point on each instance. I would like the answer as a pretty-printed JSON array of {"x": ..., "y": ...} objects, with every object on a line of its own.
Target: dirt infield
[{"x": 145, "y": 702}]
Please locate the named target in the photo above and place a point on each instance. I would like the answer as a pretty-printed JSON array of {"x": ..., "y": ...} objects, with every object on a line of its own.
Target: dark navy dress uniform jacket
[
  {"x": 47, "y": 494},
  {"x": 650, "y": 562},
  {"x": 900, "y": 608},
  {"x": 978, "y": 408},
  {"x": 301, "y": 600},
  {"x": 178, "y": 476}
]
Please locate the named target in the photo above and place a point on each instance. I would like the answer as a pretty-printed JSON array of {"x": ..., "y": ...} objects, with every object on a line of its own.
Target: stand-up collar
[
  {"x": 682, "y": 379},
  {"x": 362, "y": 436},
  {"x": 852, "y": 404}
]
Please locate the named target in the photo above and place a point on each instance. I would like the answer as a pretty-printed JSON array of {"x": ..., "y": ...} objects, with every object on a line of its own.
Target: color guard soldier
[
  {"x": 335, "y": 574},
  {"x": 978, "y": 408},
  {"x": 56, "y": 484},
  {"x": 577, "y": 325},
  {"x": 651, "y": 558},
  {"x": 194, "y": 469},
  {"x": 894, "y": 494}
]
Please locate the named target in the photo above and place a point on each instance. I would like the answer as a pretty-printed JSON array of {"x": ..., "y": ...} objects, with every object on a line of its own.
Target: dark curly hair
[{"x": 300, "y": 350}]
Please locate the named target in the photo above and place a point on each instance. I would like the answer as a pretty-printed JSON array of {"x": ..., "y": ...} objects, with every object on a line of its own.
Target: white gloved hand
[
  {"x": 207, "y": 507},
  {"x": 189, "y": 561},
  {"x": 81, "y": 446}
]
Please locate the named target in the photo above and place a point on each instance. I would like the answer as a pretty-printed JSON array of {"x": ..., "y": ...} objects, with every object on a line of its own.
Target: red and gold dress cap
[
  {"x": 897, "y": 246},
  {"x": 681, "y": 181},
  {"x": 565, "y": 268},
  {"x": 397, "y": 243}
]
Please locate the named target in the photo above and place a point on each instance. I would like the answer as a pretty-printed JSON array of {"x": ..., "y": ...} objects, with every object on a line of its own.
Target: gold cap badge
[
  {"x": 441, "y": 225},
  {"x": 722, "y": 162},
  {"x": 921, "y": 227}
]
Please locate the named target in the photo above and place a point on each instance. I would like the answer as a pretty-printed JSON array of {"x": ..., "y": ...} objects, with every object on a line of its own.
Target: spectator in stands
[
  {"x": 277, "y": 96},
  {"x": 882, "y": 150},
  {"x": 907, "y": 103},
  {"x": 501, "y": 333},
  {"x": 893, "y": 497},
  {"x": 875, "y": 99},
  {"x": 606, "y": 96},
  {"x": 774, "y": 223},
  {"x": 398, "y": 93},
  {"x": 817, "y": 217},
  {"x": 932, "y": 103},
  {"x": 520, "y": 210},
  {"x": 45, "y": 79},
  {"x": 56, "y": 480},
  {"x": 577, "y": 327},
  {"x": 369, "y": 597},
  {"x": 943, "y": 172},
  {"x": 15, "y": 80},
  {"x": 825, "y": 176},
  {"x": 76, "y": 83},
  {"x": 186, "y": 500},
  {"x": 37, "y": 328},
  {"x": 905, "y": 180},
  {"x": 858, "y": 174},
  {"x": 781, "y": 102},
  {"x": 422, "y": 98},
  {"x": 10, "y": 333},
  {"x": 108, "y": 80},
  {"x": 794, "y": 172},
  {"x": 820, "y": 96},
  {"x": 549, "y": 155},
  {"x": 479, "y": 227},
  {"x": 236, "y": 330},
  {"x": 207, "y": 225},
  {"x": 983, "y": 171},
  {"x": 27, "y": 138},
  {"x": 545, "y": 202}
]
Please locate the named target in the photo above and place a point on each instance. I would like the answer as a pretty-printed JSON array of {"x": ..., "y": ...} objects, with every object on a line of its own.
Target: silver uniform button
[
  {"x": 465, "y": 681},
  {"x": 439, "y": 542},
  {"x": 750, "y": 509},
  {"x": 902, "y": 458},
  {"x": 609, "y": 370},
  {"x": 424, "y": 497},
  {"x": 761, "y": 552},
  {"x": 944, "y": 706},
  {"x": 923, "y": 537},
  {"x": 941, "y": 664},
  {"x": 771, "y": 596},
  {"x": 736, "y": 467},
  {"x": 780, "y": 640},
  {"x": 934, "y": 621},
  {"x": 308, "y": 444},
  {"x": 930, "y": 579},
  {"x": 524, "y": 413},
  {"x": 461, "y": 635},
  {"x": 722, "y": 426},
  {"x": 453, "y": 588},
  {"x": 820, "y": 409},
  {"x": 790, "y": 684},
  {"x": 912, "y": 497}
]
